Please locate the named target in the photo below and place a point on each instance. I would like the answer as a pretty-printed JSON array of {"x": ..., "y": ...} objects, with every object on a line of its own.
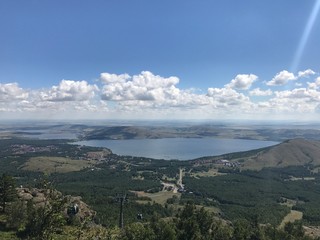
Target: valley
[{"x": 274, "y": 185}]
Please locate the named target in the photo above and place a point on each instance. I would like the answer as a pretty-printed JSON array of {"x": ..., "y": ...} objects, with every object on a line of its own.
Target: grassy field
[
  {"x": 56, "y": 164},
  {"x": 159, "y": 197},
  {"x": 291, "y": 217},
  {"x": 211, "y": 173}
]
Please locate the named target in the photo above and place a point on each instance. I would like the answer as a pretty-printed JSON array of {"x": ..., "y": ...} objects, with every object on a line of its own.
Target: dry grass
[
  {"x": 211, "y": 173},
  {"x": 56, "y": 164},
  {"x": 312, "y": 231},
  {"x": 291, "y": 217},
  {"x": 292, "y": 152},
  {"x": 159, "y": 197}
]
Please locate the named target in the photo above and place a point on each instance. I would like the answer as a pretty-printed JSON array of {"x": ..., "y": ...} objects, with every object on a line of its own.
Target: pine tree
[
  {"x": 7, "y": 190},
  {"x": 44, "y": 221}
]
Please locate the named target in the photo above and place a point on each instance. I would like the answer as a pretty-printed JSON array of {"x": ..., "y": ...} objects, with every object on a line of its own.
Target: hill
[
  {"x": 293, "y": 152},
  {"x": 271, "y": 195},
  {"x": 259, "y": 132}
]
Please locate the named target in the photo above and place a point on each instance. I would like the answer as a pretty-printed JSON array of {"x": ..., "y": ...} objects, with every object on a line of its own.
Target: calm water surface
[
  {"x": 48, "y": 134},
  {"x": 177, "y": 148}
]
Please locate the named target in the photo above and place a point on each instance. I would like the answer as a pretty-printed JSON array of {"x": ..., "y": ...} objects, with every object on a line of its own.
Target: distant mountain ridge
[
  {"x": 197, "y": 131},
  {"x": 288, "y": 153}
]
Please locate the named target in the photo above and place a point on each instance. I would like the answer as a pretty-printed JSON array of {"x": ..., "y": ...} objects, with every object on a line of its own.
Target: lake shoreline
[{"x": 177, "y": 148}]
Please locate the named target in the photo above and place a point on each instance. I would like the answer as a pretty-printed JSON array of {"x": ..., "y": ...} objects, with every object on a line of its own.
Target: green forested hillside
[{"x": 229, "y": 192}]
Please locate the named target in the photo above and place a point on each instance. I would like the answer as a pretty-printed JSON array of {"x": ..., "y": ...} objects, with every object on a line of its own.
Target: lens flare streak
[{"x": 305, "y": 36}]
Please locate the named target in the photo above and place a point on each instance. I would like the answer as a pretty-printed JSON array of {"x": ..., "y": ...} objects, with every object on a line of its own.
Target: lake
[
  {"x": 46, "y": 134},
  {"x": 177, "y": 148}
]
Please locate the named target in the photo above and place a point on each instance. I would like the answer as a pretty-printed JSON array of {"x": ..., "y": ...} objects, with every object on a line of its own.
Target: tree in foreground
[
  {"x": 43, "y": 221},
  {"x": 198, "y": 224},
  {"x": 7, "y": 191}
]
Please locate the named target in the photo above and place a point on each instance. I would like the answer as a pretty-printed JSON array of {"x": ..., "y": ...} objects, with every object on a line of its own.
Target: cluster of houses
[
  {"x": 227, "y": 163},
  {"x": 99, "y": 155},
  {"x": 24, "y": 148},
  {"x": 221, "y": 162}
]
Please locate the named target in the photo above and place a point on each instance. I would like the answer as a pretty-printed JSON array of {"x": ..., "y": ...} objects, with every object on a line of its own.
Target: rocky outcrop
[
  {"x": 84, "y": 211},
  {"x": 39, "y": 198}
]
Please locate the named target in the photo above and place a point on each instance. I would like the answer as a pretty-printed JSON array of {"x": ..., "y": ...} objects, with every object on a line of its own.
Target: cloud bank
[{"x": 147, "y": 95}]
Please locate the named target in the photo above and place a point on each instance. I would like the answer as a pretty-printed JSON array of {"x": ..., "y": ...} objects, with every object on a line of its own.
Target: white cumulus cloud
[
  {"x": 146, "y": 87},
  {"x": 69, "y": 90},
  {"x": 295, "y": 101},
  {"x": 147, "y": 95},
  {"x": 306, "y": 73},
  {"x": 298, "y": 93},
  {"x": 282, "y": 78},
  {"x": 315, "y": 84},
  {"x": 12, "y": 92},
  {"x": 259, "y": 92},
  {"x": 226, "y": 97},
  {"x": 242, "y": 81},
  {"x": 113, "y": 78}
]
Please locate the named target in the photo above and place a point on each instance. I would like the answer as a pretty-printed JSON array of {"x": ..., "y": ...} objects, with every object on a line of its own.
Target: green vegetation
[
  {"x": 161, "y": 197},
  {"x": 258, "y": 193},
  {"x": 56, "y": 164},
  {"x": 243, "y": 204},
  {"x": 198, "y": 131},
  {"x": 7, "y": 191},
  {"x": 48, "y": 222}
]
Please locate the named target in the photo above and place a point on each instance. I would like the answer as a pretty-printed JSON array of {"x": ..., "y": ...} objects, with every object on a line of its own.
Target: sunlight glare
[{"x": 305, "y": 36}]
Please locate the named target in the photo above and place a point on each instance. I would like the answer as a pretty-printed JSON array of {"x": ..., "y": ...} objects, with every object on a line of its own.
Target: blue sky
[{"x": 159, "y": 59}]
